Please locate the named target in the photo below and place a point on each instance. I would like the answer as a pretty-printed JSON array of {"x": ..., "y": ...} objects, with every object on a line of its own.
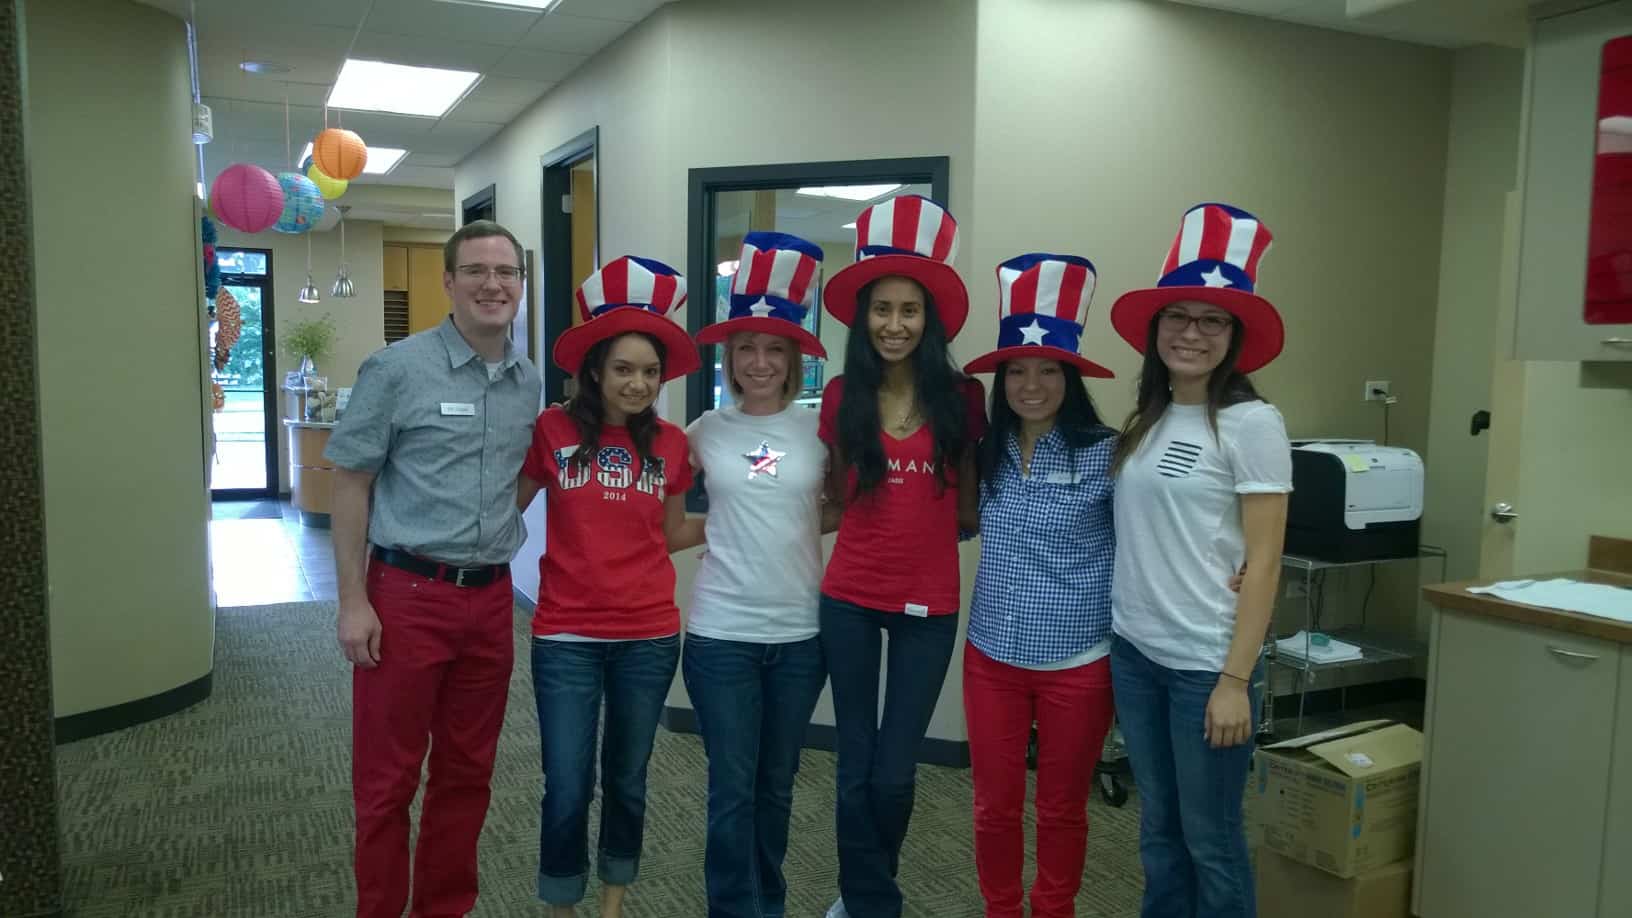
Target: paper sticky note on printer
[{"x": 1356, "y": 463}]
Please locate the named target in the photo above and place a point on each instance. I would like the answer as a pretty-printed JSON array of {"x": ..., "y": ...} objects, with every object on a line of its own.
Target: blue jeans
[
  {"x": 753, "y": 702},
  {"x": 569, "y": 681},
  {"x": 1191, "y": 838},
  {"x": 878, "y": 758}
]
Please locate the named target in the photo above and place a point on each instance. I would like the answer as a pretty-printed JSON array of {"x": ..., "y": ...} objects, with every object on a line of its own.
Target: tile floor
[{"x": 260, "y": 562}]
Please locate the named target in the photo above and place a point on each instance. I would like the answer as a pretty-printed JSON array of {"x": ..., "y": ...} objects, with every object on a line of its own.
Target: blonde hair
[{"x": 790, "y": 381}]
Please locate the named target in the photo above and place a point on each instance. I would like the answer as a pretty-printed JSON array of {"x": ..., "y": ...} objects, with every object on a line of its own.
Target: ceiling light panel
[{"x": 377, "y": 86}]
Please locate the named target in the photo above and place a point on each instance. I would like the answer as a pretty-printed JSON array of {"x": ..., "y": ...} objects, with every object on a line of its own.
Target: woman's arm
[
  {"x": 1229, "y": 710},
  {"x": 680, "y": 530}
]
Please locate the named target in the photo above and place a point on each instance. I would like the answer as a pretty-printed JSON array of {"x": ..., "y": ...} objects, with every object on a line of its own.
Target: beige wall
[
  {"x": 414, "y": 234},
  {"x": 1481, "y": 168},
  {"x": 359, "y": 321},
  {"x": 1337, "y": 141},
  {"x": 121, "y": 365},
  {"x": 1098, "y": 124}
]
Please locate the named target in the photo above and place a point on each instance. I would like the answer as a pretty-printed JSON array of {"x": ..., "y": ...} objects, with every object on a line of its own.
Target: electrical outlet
[
  {"x": 1376, "y": 390},
  {"x": 1295, "y": 589}
]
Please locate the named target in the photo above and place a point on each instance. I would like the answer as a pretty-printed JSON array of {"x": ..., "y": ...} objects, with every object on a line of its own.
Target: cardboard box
[
  {"x": 1288, "y": 889},
  {"x": 1344, "y": 800}
]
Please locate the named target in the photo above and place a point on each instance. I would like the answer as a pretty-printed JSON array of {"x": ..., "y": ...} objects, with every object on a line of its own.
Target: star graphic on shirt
[
  {"x": 762, "y": 308},
  {"x": 763, "y": 459},
  {"x": 1215, "y": 278},
  {"x": 1033, "y": 333}
]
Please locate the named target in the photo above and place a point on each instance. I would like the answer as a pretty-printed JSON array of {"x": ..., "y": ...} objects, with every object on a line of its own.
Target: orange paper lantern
[{"x": 340, "y": 153}]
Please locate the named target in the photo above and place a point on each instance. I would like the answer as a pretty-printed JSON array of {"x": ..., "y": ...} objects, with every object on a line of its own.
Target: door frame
[
  {"x": 556, "y": 256},
  {"x": 487, "y": 197},
  {"x": 270, "y": 385}
]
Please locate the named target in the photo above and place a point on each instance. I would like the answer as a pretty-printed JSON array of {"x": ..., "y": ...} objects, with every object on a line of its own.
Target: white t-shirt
[
  {"x": 759, "y": 579},
  {"x": 1178, "y": 528}
]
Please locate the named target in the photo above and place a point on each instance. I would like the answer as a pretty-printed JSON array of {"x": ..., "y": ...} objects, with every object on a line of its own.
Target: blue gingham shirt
[{"x": 1047, "y": 549}]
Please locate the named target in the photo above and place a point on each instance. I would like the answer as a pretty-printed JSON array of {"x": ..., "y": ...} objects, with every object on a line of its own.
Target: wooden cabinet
[
  {"x": 311, "y": 474},
  {"x": 1616, "y": 897},
  {"x": 428, "y": 301},
  {"x": 1561, "y": 146},
  {"x": 396, "y": 267}
]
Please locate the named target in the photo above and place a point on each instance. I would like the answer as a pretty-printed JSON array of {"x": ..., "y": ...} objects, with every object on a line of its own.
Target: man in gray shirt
[{"x": 426, "y": 458}]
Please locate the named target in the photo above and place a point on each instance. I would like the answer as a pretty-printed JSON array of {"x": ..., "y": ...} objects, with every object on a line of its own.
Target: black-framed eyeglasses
[
  {"x": 1175, "y": 321},
  {"x": 507, "y": 274}
]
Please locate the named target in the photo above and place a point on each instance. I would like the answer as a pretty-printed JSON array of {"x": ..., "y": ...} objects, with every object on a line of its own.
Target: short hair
[
  {"x": 790, "y": 384},
  {"x": 476, "y": 229}
]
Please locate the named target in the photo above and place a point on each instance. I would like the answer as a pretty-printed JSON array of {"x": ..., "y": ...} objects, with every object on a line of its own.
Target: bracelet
[{"x": 1237, "y": 678}]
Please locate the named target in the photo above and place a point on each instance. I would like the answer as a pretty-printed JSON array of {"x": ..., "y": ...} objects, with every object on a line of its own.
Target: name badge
[
  {"x": 1060, "y": 478},
  {"x": 915, "y": 609},
  {"x": 458, "y": 410}
]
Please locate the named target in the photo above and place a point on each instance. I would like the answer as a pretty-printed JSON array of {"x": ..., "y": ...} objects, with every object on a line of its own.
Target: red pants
[
  {"x": 443, "y": 679},
  {"x": 1072, "y": 709}
]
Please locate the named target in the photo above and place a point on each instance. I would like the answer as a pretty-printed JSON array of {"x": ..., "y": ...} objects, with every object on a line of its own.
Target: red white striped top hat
[
  {"x": 1042, "y": 302},
  {"x": 1214, "y": 260},
  {"x": 630, "y": 294},
  {"x": 911, "y": 236},
  {"x": 777, "y": 283}
]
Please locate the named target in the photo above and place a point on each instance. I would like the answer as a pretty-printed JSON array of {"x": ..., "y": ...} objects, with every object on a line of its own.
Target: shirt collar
[
  {"x": 460, "y": 352},
  {"x": 1045, "y": 444}
]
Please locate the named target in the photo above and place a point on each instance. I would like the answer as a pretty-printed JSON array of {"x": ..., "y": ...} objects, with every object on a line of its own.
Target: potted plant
[{"x": 310, "y": 341}]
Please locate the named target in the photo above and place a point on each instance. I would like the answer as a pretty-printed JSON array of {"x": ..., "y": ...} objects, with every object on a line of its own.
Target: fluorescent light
[
  {"x": 849, "y": 192},
  {"x": 546, "y": 6},
  {"x": 727, "y": 268},
  {"x": 850, "y": 225},
  {"x": 376, "y": 86},
  {"x": 380, "y": 159}
]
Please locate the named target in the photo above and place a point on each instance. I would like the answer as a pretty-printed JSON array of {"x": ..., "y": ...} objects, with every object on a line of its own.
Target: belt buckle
[{"x": 459, "y": 578}]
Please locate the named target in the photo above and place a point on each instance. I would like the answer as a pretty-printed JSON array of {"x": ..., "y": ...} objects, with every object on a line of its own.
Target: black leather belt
[{"x": 425, "y": 567}]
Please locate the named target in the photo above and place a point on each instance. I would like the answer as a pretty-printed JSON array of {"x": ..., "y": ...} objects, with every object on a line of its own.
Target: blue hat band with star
[
  {"x": 1208, "y": 273},
  {"x": 1033, "y": 329},
  {"x": 758, "y": 306}
]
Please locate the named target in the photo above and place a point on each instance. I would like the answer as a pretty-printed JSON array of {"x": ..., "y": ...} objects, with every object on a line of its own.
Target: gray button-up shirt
[{"x": 445, "y": 442}]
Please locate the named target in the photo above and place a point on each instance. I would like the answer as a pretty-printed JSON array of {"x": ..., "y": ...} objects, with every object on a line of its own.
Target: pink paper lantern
[{"x": 247, "y": 197}]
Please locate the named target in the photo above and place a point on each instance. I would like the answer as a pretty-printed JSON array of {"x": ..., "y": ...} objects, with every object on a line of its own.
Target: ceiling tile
[
  {"x": 623, "y": 10},
  {"x": 475, "y": 110},
  {"x": 572, "y": 34},
  {"x": 502, "y": 89},
  {"x": 227, "y": 14},
  {"x": 456, "y": 21},
  {"x": 442, "y": 160},
  {"x": 541, "y": 66},
  {"x": 417, "y": 51},
  {"x": 418, "y": 177}
]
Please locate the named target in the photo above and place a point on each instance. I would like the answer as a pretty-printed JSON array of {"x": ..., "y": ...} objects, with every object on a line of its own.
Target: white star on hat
[
  {"x": 762, "y": 308},
  {"x": 1215, "y": 278},
  {"x": 1033, "y": 333}
]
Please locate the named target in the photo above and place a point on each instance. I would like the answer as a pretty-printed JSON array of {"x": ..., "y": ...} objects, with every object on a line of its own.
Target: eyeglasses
[
  {"x": 1176, "y": 321},
  {"x": 507, "y": 274}
]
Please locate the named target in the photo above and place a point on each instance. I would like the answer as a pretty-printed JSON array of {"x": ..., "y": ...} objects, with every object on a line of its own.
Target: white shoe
[{"x": 837, "y": 910}]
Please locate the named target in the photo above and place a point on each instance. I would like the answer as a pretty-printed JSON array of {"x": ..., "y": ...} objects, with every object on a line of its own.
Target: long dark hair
[
  {"x": 1226, "y": 386},
  {"x": 1078, "y": 422},
  {"x": 587, "y": 407},
  {"x": 938, "y": 385}
]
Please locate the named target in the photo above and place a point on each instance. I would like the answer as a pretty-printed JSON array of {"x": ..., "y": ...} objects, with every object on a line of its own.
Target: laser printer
[{"x": 1353, "y": 500}]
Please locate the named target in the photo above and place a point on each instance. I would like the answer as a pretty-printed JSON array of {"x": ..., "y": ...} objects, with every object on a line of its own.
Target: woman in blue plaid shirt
[{"x": 1040, "y": 620}]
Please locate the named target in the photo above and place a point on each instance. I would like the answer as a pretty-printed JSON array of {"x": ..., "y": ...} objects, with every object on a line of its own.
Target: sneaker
[{"x": 837, "y": 910}]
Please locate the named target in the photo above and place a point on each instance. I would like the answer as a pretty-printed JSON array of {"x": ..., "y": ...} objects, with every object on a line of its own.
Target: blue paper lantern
[{"x": 302, "y": 204}]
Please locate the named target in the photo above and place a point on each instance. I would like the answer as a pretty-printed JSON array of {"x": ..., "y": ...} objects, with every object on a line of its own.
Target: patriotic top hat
[
  {"x": 630, "y": 294},
  {"x": 911, "y": 236},
  {"x": 777, "y": 283},
  {"x": 1042, "y": 301},
  {"x": 1214, "y": 260}
]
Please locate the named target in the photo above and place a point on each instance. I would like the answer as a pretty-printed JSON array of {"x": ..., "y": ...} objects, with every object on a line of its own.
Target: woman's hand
[{"x": 1229, "y": 714}]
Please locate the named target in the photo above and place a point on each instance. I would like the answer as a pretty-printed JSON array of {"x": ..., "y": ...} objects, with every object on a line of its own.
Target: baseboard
[
  {"x": 76, "y": 727},
  {"x": 932, "y": 751},
  {"x": 314, "y": 520}
]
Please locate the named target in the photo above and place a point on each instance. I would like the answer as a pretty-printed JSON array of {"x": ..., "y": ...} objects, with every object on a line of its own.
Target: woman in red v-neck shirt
[{"x": 900, "y": 427}]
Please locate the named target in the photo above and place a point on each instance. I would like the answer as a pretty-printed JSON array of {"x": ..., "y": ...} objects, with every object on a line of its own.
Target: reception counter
[{"x": 311, "y": 476}]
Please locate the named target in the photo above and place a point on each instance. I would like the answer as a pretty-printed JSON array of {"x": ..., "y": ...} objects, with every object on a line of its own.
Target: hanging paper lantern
[
  {"x": 229, "y": 322},
  {"x": 339, "y": 153},
  {"x": 247, "y": 198},
  {"x": 302, "y": 204},
  {"x": 330, "y": 188}
]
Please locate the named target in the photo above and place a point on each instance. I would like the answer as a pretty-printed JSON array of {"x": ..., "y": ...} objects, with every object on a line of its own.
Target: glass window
[{"x": 240, "y": 261}]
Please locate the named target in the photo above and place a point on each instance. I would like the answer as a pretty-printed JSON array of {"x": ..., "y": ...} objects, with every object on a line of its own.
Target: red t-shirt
[
  {"x": 605, "y": 571},
  {"x": 898, "y": 545}
]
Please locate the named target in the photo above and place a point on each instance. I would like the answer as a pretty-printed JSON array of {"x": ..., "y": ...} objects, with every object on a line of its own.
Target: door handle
[
  {"x": 1503, "y": 512},
  {"x": 1618, "y": 342},
  {"x": 1574, "y": 656}
]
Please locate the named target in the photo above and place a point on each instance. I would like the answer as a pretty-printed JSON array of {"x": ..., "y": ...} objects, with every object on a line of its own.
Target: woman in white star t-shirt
[
  {"x": 1203, "y": 469},
  {"x": 753, "y": 663}
]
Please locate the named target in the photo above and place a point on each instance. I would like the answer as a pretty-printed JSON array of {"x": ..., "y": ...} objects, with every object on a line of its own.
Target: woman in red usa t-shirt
[
  {"x": 606, "y": 628},
  {"x": 900, "y": 427}
]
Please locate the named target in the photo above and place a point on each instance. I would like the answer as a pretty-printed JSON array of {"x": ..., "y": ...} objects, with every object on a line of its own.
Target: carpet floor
[{"x": 241, "y": 806}]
